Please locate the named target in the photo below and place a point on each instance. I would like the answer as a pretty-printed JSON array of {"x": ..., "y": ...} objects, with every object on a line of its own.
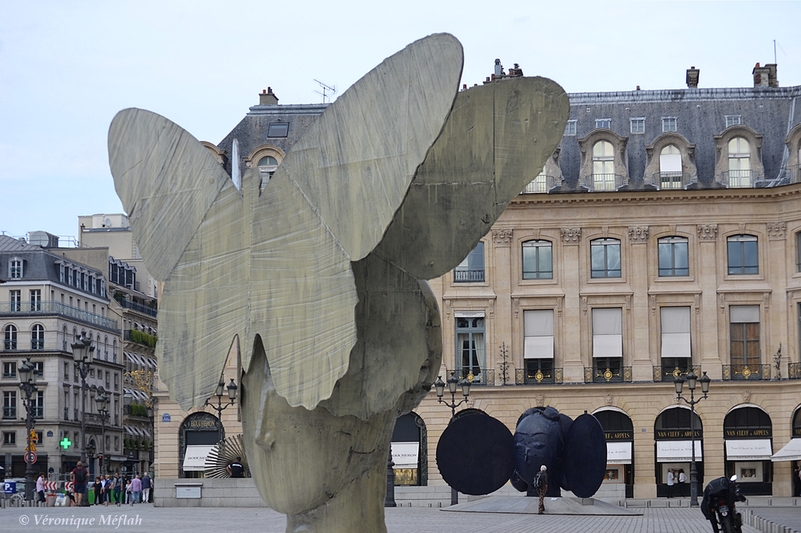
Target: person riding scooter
[{"x": 718, "y": 502}]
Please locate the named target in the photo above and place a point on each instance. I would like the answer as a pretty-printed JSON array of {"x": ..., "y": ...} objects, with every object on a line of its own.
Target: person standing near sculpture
[
  {"x": 671, "y": 478},
  {"x": 78, "y": 478},
  {"x": 147, "y": 483},
  {"x": 541, "y": 482}
]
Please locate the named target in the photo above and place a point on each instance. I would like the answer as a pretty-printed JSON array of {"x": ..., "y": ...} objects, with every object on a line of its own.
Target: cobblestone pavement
[{"x": 146, "y": 518}]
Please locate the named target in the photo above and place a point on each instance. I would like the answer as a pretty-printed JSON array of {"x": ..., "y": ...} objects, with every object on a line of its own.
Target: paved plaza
[{"x": 146, "y": 518}]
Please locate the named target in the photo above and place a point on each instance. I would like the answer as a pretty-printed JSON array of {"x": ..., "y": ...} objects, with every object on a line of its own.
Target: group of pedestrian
[
  {"x": 107, "y": 489},
  {"x": 673, "y": 477}
]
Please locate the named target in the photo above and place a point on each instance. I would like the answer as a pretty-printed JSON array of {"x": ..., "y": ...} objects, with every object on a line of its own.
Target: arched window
[
  {"x": 37, "y": 337},
  {"x": 603, "y": 166},
  {"x": 740, "y": 163},
  {"x": 267, "y": 167},
  {"x": 10, "y": 338},
  {"x": 670, "y": 167},
  {"x": 537, "y": 259}
]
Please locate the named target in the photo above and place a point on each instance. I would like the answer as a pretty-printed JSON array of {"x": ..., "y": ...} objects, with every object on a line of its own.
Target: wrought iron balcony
[
  {"x": 38, "y": 308},
  {"x": 671, "y": 372},
  {"x": 145, "y": 310},
  {"x": 594, "y": 374},
  {"x": 794, "y": 370},
  {"x": 9, "y": 412},
  {"x": 603, "y": 182},
  {"x": 539, "y": 185},
  {"x": 468, "y": 276},
  {"x": 746, "y": 372},
  {"x": 742, "y": 179},
  {"x": 478, "y": 375},
  {"x": 539, "y": 376}
]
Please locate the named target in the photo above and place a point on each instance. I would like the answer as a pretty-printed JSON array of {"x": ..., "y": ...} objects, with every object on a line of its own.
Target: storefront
[
  {"x": 748, "y": 434},
  {"x": 619, "y": 432},
  {"x": 409, "y": 450},
  {"x": 197, "y": 435},
  {"x": 673, "y": 445}
]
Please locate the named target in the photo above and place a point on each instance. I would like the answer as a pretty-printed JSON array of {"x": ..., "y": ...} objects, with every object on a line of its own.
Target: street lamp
[
  {"x": 83, "y": 354},
  {"x": 152, "y": 454},
  {"x": 27, "y": 373},
  {"x": 104, "y": 415},
  {"x": 453, "y": 384},
  {"x": 691, "y": 381},
  {"x": 219, "y": 392}
]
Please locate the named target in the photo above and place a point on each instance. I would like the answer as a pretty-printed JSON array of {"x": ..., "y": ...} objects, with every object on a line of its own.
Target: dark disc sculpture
[
  {"x": 473, "y": 454},
  {"x": 585, "y": 451}
]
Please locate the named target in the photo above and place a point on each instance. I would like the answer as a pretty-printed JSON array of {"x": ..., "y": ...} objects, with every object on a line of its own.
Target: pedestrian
[
  {"x": 796, "y": 481},
  {"x": 146, "y": 485},
  {"x": 541, "y": 483},
  {"x": 107, "y": 486},
  {"x": 117, "y": 487},
  {"x": 40, "y": 487},
  {"x": 136, "y": 489},
  {"x": 235, "y": 469},
  {"x": 98, "y": 488},
  {"x": 670, "y": 480},
  {"x": 78, "y": 476},
  {"x": 127, "y": 490}
]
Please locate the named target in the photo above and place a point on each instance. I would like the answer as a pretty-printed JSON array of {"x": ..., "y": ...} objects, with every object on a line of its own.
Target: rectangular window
[
  {"x": 10, "y": 404},
  {"x": 607, "y": 332},
  {"x": 69, "y": 277},
  {"x": 38, "y": 404},
  {"x": 61, "y": 273},
  {"x": 675, "y": 332},
  {"x": 16, "y": 300},
  {"x": 733, "y": 120},
  {"x": 66, "y": 371},
  {"x": 9, "y": 438},
  {"x": 10, "y": 369},
  {"x": 798, "y": 252},
  {"x": 605, "y": 258},
  {"x": 570, "y": 128},
  {"x": 537, "y": 260},
  {"x": 637, "y": 125},
  {"x": 470, "y": 359},
  {"x": 15, "y": 269},
  {"x": 669, "y": 124},
  {"x": 38, "y": 367},
  {"x": 743, "y": 254},
  {"x": 538, "y": 332},
  {"x": 278, "y": 129},
  {"x": 673, "y": 257},
  {"x": 472, "y": 268},
  {"x": 603, "y": 123},
  {"x": 36, "y": 300},
  {"x": 744, "y": 328}
]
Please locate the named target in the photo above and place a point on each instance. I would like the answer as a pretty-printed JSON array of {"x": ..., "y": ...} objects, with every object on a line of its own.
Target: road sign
[{"x": 30, "y": 457}]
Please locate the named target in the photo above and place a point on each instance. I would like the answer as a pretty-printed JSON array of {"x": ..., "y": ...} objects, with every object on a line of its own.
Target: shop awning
[
  {"x": 404, "y": 454},
  {"x": 790, "y": 452},
  {"x": 195, "y": 458},
  {"x": 618, "y": 453},
  {"x": 673, "y": 451},
  {"x": 748, "y": 449}
]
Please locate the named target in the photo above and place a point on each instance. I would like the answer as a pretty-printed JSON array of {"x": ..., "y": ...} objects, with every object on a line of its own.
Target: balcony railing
[
  {"x": 604, "y": 182},
  {"x": 477, "y": 375},
  {"x": 9, "y": 412},
  {"x": 794, "y": 371},
  {"x": 540, "y": 186},
  {"x": 468, "y": 276},
  {"x": 145, "y": 310},
  {"x": 671, "y": 372},
  {"x": 56, "y": 308},
  {"x": 539, "y": 377},
  {"x": 746, "y": 372},
  {"x": 742, "y": 179},
  {"x": 794, "y": 173},
  {"x": 607, "y": 375}
]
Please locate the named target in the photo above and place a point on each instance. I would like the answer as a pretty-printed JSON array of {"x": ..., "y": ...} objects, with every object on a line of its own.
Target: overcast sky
[{"x": 66, "y": 67}]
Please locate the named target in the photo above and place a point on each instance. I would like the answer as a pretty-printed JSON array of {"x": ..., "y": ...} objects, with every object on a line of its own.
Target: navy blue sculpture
[{"x": 573, "y": 450}]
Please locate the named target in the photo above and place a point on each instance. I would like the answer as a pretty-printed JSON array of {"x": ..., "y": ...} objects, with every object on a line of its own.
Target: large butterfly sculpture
[{"x": 402, "y": 173}]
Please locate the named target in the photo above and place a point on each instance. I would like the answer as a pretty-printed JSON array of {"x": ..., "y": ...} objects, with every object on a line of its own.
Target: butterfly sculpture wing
[{"x": 277, "y": 263}]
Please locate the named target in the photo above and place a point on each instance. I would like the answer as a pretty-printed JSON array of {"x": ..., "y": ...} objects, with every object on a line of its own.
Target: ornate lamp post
[
  {"x": 104, "y": 415},
  {"x": 27, "y": 373},
  {"x": 83, "y": 354},
  {"x": 219, "y": 394},
  {"x": 692, "y": 380},
  {"x": 453, "y": 384}
]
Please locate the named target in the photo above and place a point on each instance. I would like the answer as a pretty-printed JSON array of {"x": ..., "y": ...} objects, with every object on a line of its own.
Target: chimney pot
[
  {"x": 692, "y": 77},
  {"x": 268, "y": 97}
]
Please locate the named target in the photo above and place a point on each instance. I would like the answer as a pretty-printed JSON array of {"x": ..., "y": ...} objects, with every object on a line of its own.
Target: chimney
[
  {"x": 761, "y": 76},
  {"x": 498, "y": 68},
  {"x": 692, "y": 77},
  {"x": 267, "y": 97},
  {"x": 772, "y": 81}
]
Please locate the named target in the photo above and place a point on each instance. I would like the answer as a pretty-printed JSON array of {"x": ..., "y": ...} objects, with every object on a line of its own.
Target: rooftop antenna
[
  {"x": 324, "y": 88},
  {"x": 774, "y": 52}
]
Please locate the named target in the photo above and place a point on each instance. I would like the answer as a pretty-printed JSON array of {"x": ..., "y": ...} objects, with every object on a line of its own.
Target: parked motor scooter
[{"x": 718, "y": 504}]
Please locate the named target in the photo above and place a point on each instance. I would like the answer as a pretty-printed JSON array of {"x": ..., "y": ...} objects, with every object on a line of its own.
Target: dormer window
[
  {"x": 603, "y": 167},
  {"x": 669, "y": 124},
  {"x": 740, "y": 163},
  {"x": 739, "y": 160},
  {"x": 603, "y": 123},
  {"x": 15, "y": 268},
  {"x": 603, "y": 163},
  {"x": 670, "y": 168}
]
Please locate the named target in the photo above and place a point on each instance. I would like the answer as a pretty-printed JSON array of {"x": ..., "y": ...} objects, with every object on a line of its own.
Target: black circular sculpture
[
  {"x": 477, "y": 455},
  {"x": 473, "y": 454}
]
